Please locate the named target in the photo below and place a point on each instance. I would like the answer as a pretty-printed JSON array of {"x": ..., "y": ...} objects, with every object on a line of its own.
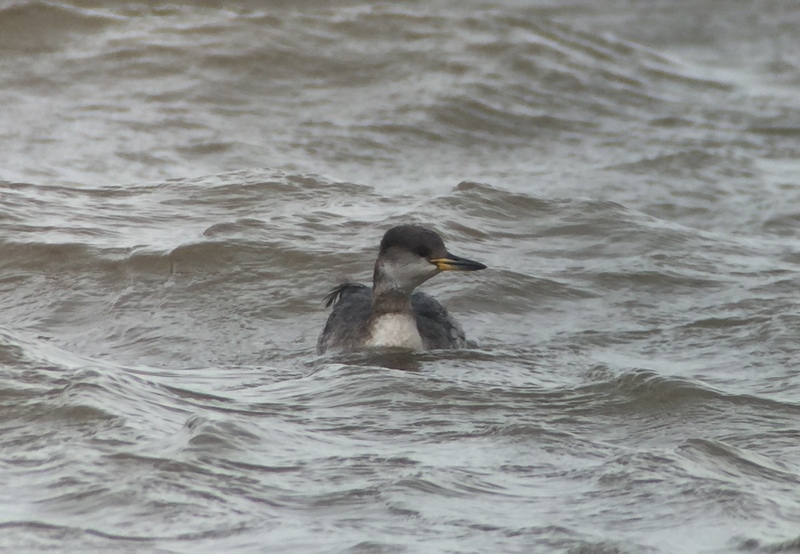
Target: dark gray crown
[{"x": 419, "y": 240}]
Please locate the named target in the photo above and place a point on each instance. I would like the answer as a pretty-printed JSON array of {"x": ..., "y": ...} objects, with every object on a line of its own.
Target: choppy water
[{"x": 180, "y": 184}]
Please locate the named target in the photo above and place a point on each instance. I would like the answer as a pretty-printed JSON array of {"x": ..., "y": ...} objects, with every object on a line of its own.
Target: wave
[
  {"x": 772, "y": 547},
  {"x": 646, "y": 389},
  {"x": 37, "y": 26}
]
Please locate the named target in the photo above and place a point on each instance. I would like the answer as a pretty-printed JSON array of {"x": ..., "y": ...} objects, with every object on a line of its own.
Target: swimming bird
[{"x": 391, "y": 313}]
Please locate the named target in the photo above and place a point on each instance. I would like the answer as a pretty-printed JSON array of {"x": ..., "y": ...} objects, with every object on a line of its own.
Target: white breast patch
[{"x": 398, "y": 330}]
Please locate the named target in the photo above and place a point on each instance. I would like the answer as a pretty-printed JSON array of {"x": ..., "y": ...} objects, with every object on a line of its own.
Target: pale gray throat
[{"x": 388, "y": 297}]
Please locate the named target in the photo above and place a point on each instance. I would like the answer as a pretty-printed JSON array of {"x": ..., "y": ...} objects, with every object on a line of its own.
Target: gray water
[{"x": 180, "y": 185}]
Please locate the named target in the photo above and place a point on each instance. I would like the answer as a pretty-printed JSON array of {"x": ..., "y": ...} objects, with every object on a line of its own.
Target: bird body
[
  {"x": 391, "y": 313},
  {"x": 395, "y": 329}
]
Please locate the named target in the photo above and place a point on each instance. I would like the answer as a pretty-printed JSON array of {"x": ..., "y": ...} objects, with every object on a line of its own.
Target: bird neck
[
  {"x": 390, "y": 301},
  {"x": 392, "y": 322},
  {"x": 388, "y": 295}
]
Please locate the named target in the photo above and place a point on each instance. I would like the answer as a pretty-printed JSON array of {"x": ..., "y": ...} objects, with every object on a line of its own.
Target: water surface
[{"x": 181, "y": 184}]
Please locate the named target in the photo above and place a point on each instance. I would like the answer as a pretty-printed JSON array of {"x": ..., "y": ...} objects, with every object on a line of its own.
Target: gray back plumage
[{"x": 346, "y": 326}]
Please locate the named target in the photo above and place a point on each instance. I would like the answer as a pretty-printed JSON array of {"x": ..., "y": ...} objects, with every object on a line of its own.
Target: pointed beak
[{"x": 455, "y": 263}]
